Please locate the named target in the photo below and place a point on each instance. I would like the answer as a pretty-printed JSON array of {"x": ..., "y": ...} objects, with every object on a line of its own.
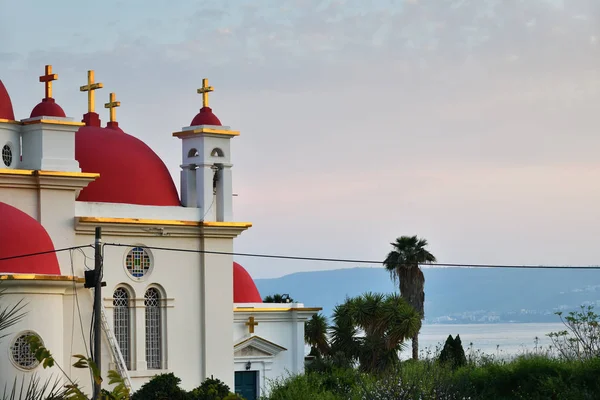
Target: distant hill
[{"x": 454, "y": 295}]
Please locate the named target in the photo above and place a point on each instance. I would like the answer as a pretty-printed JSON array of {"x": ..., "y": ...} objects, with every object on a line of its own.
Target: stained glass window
[{"x": 138, "y": 262}]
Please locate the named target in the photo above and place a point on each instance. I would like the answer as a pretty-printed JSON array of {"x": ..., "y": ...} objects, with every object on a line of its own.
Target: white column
[
  {"x": 224, "y": 194},
  {"x": 298, "y": 340},
  {"x": 188, "y": 186},
  {"x": 217, "y": 310},
  {"x": 138, "y": 350},
  {"x": 204, "y": 190}
]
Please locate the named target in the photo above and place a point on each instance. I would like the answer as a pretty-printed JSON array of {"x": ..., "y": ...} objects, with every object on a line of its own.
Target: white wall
[
  {"x": 284, "y": 328},
  {"x": 44, "y": 308}
]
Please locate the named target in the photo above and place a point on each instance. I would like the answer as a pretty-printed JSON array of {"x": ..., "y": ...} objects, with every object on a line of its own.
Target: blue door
[{"x": 246, "y": 384}]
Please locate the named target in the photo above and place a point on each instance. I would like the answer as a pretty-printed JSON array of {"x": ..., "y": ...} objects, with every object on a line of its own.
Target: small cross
[
  {"x": 90, "y": 88},
  {"x": 205, "y": 90},
  {"x": 47, "y": 79},
  {"x": 251, "y": 324},
  {"x": 112, "y": 105}
]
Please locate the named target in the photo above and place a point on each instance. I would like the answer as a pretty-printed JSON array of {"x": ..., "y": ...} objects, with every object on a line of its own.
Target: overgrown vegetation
[
  {"x": 526, "y": 377},
  {"x": 568, "y": 369}
]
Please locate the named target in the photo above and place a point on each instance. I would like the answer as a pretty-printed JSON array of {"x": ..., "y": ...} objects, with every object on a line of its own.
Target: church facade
[{"x": 174, "y": 300}]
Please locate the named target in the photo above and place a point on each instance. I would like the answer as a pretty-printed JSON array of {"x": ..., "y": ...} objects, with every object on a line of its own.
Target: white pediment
[{"x": 256, "y": 346}]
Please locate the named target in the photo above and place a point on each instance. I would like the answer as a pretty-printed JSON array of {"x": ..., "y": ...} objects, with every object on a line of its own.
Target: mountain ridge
[{"x": 454, "y": 295}]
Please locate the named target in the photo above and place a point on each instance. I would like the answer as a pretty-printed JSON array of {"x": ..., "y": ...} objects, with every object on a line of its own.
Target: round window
[
  {"x": 7, "y": 155},
  {"x": 21, "y": 353},
  {"x": 138, "y": 262}
]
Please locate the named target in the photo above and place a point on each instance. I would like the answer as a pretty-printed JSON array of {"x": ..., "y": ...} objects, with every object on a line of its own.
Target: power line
[
  {"x": 300, "y": 258},
  {"x": 351, "y": 261},
  {"x": 40, "y": 253}
]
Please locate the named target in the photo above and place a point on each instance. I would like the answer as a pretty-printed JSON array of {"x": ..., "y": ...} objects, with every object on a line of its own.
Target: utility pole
[{"x": 97, "y": 308}]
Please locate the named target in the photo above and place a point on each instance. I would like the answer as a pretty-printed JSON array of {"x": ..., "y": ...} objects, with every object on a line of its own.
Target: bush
[
  {"x": 300, "y": 387},
  {"x": 210, "y": 389},
  {"x": 161, "y": 387},
  {"x": 166, "y": 387},
  {"x": 581, "y": 339},
  {"x": 531, "y": 378}
]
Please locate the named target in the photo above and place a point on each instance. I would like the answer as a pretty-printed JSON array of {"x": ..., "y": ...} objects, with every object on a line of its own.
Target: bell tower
[
  {"x": 206, "y": 179},
  {"x": 48, "y": 136}
]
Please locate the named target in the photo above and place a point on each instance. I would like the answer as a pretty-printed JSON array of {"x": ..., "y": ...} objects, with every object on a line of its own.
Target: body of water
[{"x": 501, "y": 340}]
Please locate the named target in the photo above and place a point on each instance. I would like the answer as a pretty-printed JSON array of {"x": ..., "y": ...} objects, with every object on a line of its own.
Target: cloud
[{"x": 361, "y": 122}]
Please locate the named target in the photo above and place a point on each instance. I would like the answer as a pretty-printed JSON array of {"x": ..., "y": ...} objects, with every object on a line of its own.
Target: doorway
[{"x": 246, "y": 384}]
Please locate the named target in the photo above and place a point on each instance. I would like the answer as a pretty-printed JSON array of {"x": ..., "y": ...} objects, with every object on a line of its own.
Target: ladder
[{"x": 115, "y": 349}]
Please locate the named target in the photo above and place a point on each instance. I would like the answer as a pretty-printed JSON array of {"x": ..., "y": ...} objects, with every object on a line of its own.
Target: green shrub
[
  {"x": 300, "y": 387},
  {"x": 161, "y": 387},
  {"x": 532, "y": 377},
  {"x": 210, "y": 389}
]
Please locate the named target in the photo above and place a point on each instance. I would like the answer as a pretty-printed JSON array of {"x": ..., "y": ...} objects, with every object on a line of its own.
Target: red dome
[
  {"x": 130, "y": 172},
  {"x": 47, "y": 108},
  {"x": 205, "y": 117},
  {"x": 244, "y": 288},
  {"x": 6, "y": 108},
  {"x": 21, "y": 234}
]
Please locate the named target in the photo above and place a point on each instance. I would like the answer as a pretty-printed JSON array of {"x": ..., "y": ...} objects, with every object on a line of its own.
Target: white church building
[{"x": 174, "y": 300}]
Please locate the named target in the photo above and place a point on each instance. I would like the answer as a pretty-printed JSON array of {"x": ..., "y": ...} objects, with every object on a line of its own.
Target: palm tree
[
  {"x": 371, "y": 330},
  {"x": 315, "y": 335},
  {"x": 403, "y": 265}
]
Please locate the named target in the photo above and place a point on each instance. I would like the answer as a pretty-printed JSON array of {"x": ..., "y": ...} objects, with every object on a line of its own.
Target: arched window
[
  {"x": 153, "y": 329},
  {"x": 193, "y": 153},
  {"x": 217, "y": 152},
  {"x": 121, "y": 323}
]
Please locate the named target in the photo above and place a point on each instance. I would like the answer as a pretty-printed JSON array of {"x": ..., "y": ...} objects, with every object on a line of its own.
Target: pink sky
[{"x": 475, "y": 126}]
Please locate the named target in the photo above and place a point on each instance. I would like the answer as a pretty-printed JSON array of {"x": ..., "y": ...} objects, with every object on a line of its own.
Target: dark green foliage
[
  {"x": 531, "y": 378},
  {"x": 315, "y": 335},
  {"x": 161, "y": 387},
  {"x": 278, "y": 298},
  {"x": 210, "y": 389},
  {"x": 453, "y": 353},
  {"x": 166, "y": 387},
  {"x": 371, "y": 330}
]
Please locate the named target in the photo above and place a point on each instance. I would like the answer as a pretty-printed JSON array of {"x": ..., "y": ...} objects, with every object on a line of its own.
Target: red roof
[
  {"x": 244, "y": 288},
  {"x": 130, "y": 172},
  {"x": 205, "y": 117},
  {"x": 6, "y": 108},
  {"x": 20, "y": 234},
  {"x": 47, "y": 108}
]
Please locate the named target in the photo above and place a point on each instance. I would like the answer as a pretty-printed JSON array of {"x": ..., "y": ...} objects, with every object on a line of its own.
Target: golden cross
[
  {"x": 205, "y": 90},
  {"x": 251, "y": 324},
  {"x": 47, "y": 79},
  {"x": 90, "y": 87},
  {"x": 112, "y": 105}
]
